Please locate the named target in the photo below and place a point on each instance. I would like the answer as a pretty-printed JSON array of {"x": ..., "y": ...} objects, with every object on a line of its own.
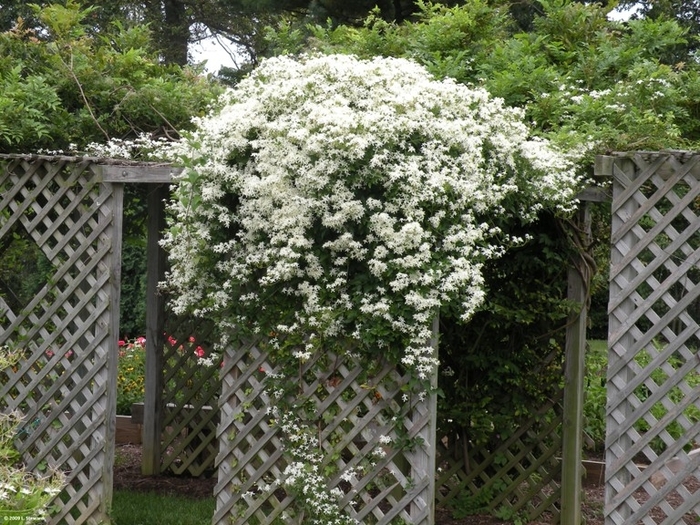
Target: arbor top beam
[{"x": 108, "y": 169}]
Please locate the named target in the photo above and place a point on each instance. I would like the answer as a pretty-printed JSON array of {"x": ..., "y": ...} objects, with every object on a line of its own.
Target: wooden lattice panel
[
  {"x": 351, "y": 418},
  {"x": 653, "y": 415},
  {"x": 190, "y": 395},
  {"x": 520, "y": 473},
  {"x": 65, "y": 386}
]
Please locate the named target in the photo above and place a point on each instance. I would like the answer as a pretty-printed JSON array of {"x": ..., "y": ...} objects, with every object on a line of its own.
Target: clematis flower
[{"x": 333, "y": 197}]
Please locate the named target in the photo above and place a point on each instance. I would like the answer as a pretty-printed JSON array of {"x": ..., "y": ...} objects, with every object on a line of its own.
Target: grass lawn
[{"x": 137, "y": 508}]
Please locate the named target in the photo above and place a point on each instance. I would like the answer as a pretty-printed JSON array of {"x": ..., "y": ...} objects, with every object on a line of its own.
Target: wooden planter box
[{"x": 127, "y": 431}]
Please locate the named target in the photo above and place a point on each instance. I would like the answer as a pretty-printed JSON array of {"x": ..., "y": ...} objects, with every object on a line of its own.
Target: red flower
[{"x": 122, "y": 342}]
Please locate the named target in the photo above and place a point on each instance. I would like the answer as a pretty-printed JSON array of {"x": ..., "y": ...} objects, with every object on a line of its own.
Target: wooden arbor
[{"x": 71, "y": 209}]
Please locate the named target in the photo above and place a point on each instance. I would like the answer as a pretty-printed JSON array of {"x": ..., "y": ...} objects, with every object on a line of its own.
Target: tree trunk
[
  {"x": 398, "y": 12},
  {"x": 169, "y": 22}
]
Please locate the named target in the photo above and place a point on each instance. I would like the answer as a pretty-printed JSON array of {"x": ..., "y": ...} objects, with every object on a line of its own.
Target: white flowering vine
[
  {"x": 337, "y": 197},
  {"x": 332, "y": 199},
  {"x": 303, "y": 474}
]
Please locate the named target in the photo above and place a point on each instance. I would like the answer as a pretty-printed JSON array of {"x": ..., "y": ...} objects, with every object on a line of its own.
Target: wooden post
[
  {"x": 619, "y": 341},
  {"x": 113, "y": 354},
  {"x": 572, "y": 440},
  {"x": 155, "y": 313},
  {"x": 424, "y": 459},
  {"x": 432, "y": 427}
]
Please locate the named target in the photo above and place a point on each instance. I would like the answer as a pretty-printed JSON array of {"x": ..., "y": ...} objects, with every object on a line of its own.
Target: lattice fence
[
  {"x": 516, "y": 471},
  {"x": 653, "y": 415},
  {"x": 517, "y": 477},
  {"x": 351, "y": 417},
  {"x": 190, "y": 394},
  {"x": 65, "y": 322},
  {"x": 68, "y": 211}
]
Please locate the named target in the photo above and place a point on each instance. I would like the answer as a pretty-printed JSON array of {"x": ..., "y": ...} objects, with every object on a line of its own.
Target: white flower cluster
[
  {"x": 213, "y": 359},
  {"x": 303, "y": 475},
  {"x": 142, "y": 147},
  {"x": 345, "y": 197},
  {"x": 20, "y": 490}
]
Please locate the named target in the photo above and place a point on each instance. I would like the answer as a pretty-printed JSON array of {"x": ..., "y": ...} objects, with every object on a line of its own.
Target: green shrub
[{"x": 595, "y": 392}]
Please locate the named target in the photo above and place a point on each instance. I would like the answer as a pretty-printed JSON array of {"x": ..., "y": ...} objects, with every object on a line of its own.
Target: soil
[{"x": 127, "y": 475}]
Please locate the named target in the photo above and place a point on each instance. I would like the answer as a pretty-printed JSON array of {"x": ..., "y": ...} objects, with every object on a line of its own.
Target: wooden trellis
[
  {"x": 190, "y": 394},
  {"x": 65, "y": 387},
  {"x": 380, "y": 482},
  {"x": 70, "y": 209},
  {"x": 653, "y": 413},
  {"x": 522, "y": 473}
]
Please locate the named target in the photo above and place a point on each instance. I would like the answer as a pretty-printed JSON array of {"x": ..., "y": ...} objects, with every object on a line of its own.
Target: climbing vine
[{"x": 337, "y": 199}]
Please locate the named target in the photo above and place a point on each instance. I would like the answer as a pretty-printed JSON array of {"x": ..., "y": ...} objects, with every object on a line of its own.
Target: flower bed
[
  {"x": 189, "y": 354},
  {"x": 131, "y": 374}
]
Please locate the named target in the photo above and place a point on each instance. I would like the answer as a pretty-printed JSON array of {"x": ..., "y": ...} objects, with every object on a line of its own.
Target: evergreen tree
[
  {"x": 177, "y": 23},
  {"x": 685, "y": 12}
]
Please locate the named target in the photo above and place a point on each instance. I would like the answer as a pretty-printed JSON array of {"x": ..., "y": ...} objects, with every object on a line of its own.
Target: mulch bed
[{"x": 127, "y": 476}]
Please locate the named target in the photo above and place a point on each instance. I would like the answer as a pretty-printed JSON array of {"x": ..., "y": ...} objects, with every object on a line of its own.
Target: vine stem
[{"x": 82, "y": 92}]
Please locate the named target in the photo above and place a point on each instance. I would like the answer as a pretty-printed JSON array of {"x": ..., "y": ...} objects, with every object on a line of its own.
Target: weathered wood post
[
  {"x": 155, "y": 314},
  {"x": 621, "y": 308},
  {"x": 423, "y": 458},
  {"x": 579, "y": 278},
  {"x": 116, "y": 219}
]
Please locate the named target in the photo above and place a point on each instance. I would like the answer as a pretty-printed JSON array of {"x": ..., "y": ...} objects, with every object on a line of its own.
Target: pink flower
[
  {"x": 191, "y": 339},
  {"x": 49, "y": 353},
  {"x": 199, "y": 351},
  {"x": 122, "y": 342},
  {"x": 69, "y": 353},
  {"x": 141, "y": 341},
  {"x": 172, "y": 340}
]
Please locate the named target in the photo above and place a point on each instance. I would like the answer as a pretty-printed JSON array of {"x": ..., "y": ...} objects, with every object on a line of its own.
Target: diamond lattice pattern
[
  {"x": 190, "y": 394},
  {"x": 351, "y": 416},
  {"x": 653, "y": 373},
  {"x": 61, "y": 386}
]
